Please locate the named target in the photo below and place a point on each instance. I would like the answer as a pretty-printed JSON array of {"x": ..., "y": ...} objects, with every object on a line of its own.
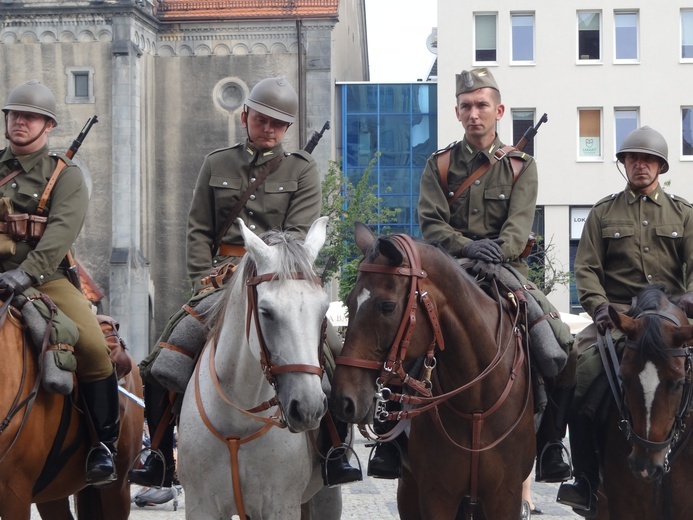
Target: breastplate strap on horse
[{"x": 234, "y": 442}]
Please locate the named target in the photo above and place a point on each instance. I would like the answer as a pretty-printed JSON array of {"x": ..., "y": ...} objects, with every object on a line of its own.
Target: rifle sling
[
  {"x": 443, "y": 162},
  {"x": 268, "y": 168},
  {"x": 49, "y": 187},
  {"x": 10, "y": 176}
]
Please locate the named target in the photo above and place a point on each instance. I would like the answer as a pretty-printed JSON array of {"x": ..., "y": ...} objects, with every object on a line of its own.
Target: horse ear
[
  {"x": 622, "y": 322},
  {"x": 253, "y": 242},
  {"x": 315, "y": 238},
  {"x": 683, "y": 334},
  {"x": 389, "y": 250},
  {"x": 363, "y": 236}
]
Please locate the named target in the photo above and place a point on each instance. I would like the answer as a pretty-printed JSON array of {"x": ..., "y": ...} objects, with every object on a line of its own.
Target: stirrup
[
  {"x": 107, "y": 480},
  {"x": 343, "y": 449},
  {"x": 396, "y": 472},
  {"x": 159, "y": 455},
  {"x": 539, "y": 474}
]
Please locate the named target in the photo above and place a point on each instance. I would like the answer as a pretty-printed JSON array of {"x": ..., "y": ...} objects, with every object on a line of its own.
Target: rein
[{"x": 269, "y": 369}]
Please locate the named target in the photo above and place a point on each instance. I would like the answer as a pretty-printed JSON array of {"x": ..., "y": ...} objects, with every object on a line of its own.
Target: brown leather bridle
[{"x": 269, "y": 369}]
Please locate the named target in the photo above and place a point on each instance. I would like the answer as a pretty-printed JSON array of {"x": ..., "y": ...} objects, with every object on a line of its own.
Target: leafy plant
[{"x": 544, "y": 269}]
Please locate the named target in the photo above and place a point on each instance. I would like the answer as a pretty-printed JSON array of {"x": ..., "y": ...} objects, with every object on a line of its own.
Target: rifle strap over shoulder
[
  {"x": 443, "y": 162},
  {"x": 268, "y": 168},
  {"x": 43, "y": 201}
]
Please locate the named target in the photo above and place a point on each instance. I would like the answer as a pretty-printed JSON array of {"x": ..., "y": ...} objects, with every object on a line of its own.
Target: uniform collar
[
  {"x": 470, "y": 152},
  {"x": 657, "y": 196},
  {"x": 27, "y": 162},
  {"x": 261, "y": 156}
]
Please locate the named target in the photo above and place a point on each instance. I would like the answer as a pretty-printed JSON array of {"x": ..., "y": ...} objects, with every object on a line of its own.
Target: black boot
[
  {"x": 582, "y": 494},
  {"x": 101, "y": 400},
  {"x": 336, "y": 469},
  {"x": 386, "y": 460},
  {"x": 551, "y": 466},
  {"x": 156, "y": 472}
]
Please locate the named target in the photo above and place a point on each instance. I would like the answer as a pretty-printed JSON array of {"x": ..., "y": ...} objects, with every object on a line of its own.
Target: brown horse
[
  {"x": 44, "y": 441},
  {"x": 471, "y": 437},
  {"x": 647, "y": 463}
]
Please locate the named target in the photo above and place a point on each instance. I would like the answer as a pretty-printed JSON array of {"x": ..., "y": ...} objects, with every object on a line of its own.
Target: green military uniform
[
  {"x": 492, "y": 207},
  {"x": 629, "y": 241},
  {"x": 67, "y": 207},
  {"x": 290, "y": 199}
]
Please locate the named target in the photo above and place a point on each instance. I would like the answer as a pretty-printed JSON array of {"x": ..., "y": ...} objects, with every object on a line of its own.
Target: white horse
[{"x": 235, "y": 457}]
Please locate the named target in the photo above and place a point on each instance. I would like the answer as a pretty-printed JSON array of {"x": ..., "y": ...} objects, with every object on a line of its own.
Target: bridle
[
  {"x": 269, "y": 369},
  {"x": 676, "y": 433}
]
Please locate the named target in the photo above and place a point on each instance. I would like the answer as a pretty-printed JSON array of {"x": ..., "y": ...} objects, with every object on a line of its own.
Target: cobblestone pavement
[{"x": 371, "y": 499}]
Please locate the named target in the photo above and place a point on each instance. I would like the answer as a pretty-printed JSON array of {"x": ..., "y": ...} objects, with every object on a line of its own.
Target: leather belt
[
  {"x": 3, "y": 227},
  {"x": 231, "y": 250}
]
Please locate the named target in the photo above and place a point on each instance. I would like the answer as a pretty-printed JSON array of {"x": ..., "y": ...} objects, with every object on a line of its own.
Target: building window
[
  {"x": 687, "y": 34},
  {"x": 626, "y": 36},
  {"x": 590, "y": 146},
  {"x": 522, "y": 37},
  {"x": 687, "y": 132},
  {"x": 625, "y": 121},
  {"x": 522, "y": 120},
  {"x": 80, "y": 85},
  {"x": 589, "y": 38},
  {"x": 485, "y": 43}
]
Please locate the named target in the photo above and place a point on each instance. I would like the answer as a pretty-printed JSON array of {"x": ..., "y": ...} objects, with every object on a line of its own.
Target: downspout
[{"x": 301, "y": 86}]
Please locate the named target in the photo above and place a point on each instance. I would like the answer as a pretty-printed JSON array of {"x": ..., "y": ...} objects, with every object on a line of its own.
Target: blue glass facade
[{"x": 399, "y": 121}]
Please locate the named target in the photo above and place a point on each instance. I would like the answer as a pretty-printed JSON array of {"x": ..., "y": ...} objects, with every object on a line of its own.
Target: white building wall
[{"x": 558, "y": 84}]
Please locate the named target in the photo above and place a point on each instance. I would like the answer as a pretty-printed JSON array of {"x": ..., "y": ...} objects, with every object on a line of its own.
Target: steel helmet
[
  {"x": 274, "y": 97},
  {"x": 32, "y": 96},
  {"x": 645, "y": 140}
]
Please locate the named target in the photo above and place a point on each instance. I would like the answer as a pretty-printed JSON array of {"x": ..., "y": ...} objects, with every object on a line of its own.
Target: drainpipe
[{"x": 301, "y": 86}]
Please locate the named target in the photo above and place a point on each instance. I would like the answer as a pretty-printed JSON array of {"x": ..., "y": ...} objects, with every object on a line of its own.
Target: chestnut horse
[
  {"x": 44, "y": 441},
  {"x": 647, "y": 465},
  {"x": 471, "y": 433}
]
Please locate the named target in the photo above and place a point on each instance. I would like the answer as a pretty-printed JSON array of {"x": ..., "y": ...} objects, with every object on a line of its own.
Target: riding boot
[
  {"x": 386, "y": 461},
  {"x": 551, "y": 466},
  {"x": 581, "y": 495},
  {"x": 336, "y": 469},
  {"x": 101, "y": 400},
  {"x": 156, "y": 472}
]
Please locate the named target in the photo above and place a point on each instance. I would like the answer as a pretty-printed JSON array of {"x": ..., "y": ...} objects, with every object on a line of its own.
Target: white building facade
[{"x": 599, "y": 70}]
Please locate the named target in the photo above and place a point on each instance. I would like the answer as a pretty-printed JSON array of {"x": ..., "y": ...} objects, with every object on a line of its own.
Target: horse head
[
  {"x": 288, "y": 305},
  {"x": 655, "y": 373}
]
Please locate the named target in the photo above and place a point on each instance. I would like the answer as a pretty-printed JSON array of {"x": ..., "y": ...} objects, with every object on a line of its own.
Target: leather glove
[
  {"x": 602, "y": 319},
  {"x": 485, "y": 270},
  {"x": 686, "y": 303},
  {"x": 15, "y": 281},
  {"x": 485, "y": 249}
]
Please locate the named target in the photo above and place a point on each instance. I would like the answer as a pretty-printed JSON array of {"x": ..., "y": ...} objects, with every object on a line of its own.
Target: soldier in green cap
[
  {"x": 633, "y": 238},
  {"x": 36, "y": 258},
  {"x": 289, "y": 198}
]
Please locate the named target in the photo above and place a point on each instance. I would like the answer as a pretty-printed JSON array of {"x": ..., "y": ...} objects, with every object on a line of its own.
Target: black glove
[
  {"x": 602, "y": 319},
  {"x": 686, "y": 303},
  {"x": 485, "y": 270},
  {"x": 485, "y": 249},
  {"x": 15, "y": 281}
]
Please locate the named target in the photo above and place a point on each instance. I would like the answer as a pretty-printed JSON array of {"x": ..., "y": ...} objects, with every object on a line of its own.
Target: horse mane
[
  {"x": 292, "y": 259},
  {"x": 651, "y": 344}
]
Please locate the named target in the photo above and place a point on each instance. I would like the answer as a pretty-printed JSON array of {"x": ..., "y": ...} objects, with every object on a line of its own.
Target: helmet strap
[{"x": 7, "y": 135}]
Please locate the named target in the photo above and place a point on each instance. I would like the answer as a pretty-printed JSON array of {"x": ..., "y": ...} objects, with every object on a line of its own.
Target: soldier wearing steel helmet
[
  {"x": 289, "y": 199},
  {"x": 639, "y": 236},
  {"x": 26, "y": 166}
]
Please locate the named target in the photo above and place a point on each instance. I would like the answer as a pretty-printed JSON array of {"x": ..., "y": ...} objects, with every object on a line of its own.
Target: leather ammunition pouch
[{"x": 22, "y": 227}]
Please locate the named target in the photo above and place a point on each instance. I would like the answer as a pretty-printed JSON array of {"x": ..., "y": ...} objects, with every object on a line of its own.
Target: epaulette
[
  {"x": 676, "y": 198},
  {"x": 58, "y": 155},
  {"x": 606, "y": 199},
  {"x": 442, "y": 150},
  {"x": 226, "y": 148},
  {"x": 520, "y": 155},
  {"x": 301, "y": 153}
]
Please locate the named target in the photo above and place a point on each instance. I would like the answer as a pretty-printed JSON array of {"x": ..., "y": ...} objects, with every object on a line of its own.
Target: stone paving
[{"x": 371, "y": 499}]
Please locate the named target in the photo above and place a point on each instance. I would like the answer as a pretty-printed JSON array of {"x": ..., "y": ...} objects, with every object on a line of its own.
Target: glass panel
[
  {"x": 522, "y": 37},
  {"x": 402, "y": 203},
  {"x": 362, "y": 98},
  {"x": 362, "y": 140},
  {"x": 81, "y": 84},
  {"x": 355, "y": 174},
  {"x": 522, "y": 120},
  {"x": 626, "y": 121},
  {"x": 588, "y": 36},
  {"x": 395, "y": 181},
  {"x": 395, "y": 98},
  {"x": 626, "y": 36},
  {"x": 395, "y": 143},
  {"x": 485, "y": 37},
  {"x": 424, "y": 139},
  {"x": 687, "y": 34},
  {"x": 424, "y": 99},
  {"x": 590, "y": 142},
  {"x": 687, "y": 135}
]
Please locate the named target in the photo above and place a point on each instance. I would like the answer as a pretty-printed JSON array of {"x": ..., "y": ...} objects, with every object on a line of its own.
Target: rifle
[
  {"x": 315, "y": 138},
  {"x": 530, "y": 133},
  {"x": 72, "y": 269}
]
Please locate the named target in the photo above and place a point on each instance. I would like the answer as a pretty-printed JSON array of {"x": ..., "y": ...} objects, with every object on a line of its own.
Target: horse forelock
[{"x": 652, "y": 343}]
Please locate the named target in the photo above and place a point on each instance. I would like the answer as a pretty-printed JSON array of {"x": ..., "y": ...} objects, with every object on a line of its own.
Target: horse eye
[
  {"x": 387, "y": 308},
  {"x": 266, "y": 314}
]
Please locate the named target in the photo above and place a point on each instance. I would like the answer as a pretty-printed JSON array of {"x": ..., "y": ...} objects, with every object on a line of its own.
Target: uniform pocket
[
  {"x": 278, "y": 194},
  {"x": 496, "y": 202}
]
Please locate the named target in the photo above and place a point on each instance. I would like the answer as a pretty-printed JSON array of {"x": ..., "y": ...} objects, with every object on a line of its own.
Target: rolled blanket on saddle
[
  {"x": 54, "y": 336},
  {"x": 182, "y": 341}
]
